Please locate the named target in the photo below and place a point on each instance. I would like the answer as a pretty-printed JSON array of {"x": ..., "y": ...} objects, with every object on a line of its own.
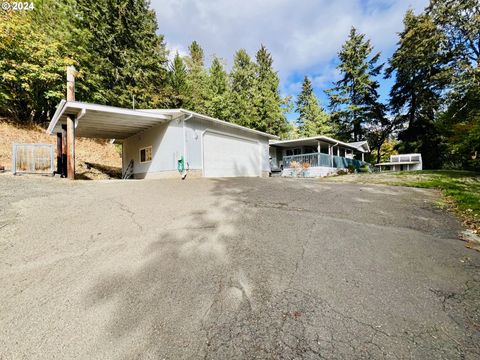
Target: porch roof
[{"x": 313, "y": 141}]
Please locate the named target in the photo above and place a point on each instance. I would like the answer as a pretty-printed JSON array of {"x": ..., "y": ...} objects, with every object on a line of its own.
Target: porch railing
[{"x": 320, "y": 159}]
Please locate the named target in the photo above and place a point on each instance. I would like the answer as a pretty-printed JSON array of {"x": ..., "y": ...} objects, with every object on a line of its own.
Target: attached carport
[
  {"x": 218, "y": 148},
  {"x": 74, "y": 118}
]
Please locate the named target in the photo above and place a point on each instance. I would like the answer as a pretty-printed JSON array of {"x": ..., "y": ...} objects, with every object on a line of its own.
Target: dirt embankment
[{"x": 105, "y": 157}]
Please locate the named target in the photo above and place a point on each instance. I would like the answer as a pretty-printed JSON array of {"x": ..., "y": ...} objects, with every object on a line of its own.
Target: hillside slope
[{"x": 105, "y": 156}]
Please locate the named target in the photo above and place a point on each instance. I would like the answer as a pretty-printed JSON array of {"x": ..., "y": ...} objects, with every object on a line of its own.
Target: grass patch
[{"x": 460, "y": 188}]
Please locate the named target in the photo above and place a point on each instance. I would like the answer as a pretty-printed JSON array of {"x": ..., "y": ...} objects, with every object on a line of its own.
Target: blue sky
[{"x": 303, "y": 36}]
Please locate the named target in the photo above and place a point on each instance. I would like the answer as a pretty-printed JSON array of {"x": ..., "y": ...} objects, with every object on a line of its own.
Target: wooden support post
[
  {"x": 64, "y": 151},
  {"x": 59, "y": 153},
  {"x": 71, "y": 73},
  {"x": 71, "y": 147}
]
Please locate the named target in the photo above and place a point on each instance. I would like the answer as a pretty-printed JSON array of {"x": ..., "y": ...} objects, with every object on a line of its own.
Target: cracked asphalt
[{"x": 232, "y": 269}]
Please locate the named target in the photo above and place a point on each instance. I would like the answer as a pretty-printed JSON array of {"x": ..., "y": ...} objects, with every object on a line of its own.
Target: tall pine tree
[
  {"x": 178, "y": 82},
  {"x": 312, "y": 120},
  {"x": 127, "y": 57},
  {"x": 459, "y": 20},
  {"x": 269, "y": 105},
  {"x": 218, "y": 88},
  {"x": 354, "y": 96},
  {"x": 420, "y": 77},
  {"x": 197, "y": 79},
  {"x": 243, "y": 87}
]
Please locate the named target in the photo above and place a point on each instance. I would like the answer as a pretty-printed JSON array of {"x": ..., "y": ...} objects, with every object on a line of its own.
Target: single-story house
[
  {"x": 402, "y": 162},
  {"x": 323, "y": 154},
  {"x": 155, "y": 141}
]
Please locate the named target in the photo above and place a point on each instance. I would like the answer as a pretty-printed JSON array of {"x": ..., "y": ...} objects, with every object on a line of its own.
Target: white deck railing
[{"x": 405, "y": 158}]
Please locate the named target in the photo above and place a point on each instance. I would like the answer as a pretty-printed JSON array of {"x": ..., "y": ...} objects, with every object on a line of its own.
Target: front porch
[
  {"x": 318, "y": 164},
  {"x": 317, "y": 156}
]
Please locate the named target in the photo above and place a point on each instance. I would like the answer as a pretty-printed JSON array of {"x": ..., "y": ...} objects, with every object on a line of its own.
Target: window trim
[{"x": 140, "y": 154}]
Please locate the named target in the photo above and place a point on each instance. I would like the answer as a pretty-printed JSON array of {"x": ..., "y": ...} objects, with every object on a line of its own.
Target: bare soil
[{"x": 95, "y": 158}]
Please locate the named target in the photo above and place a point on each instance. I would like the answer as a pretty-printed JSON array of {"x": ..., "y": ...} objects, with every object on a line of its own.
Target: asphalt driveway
[{"x": 232, "y": 269}]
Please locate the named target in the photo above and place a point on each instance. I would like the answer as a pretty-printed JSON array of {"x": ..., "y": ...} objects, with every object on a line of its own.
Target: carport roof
[
  {"x": 109, "y": 122},
  {"x": 103, "y": 122}
]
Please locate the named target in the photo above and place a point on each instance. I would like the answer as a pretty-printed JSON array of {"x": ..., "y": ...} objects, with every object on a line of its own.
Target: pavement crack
[{"x": 131, "y": 214}]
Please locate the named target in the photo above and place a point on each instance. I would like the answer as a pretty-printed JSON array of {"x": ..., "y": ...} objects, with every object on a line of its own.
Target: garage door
[{"x": 227, "y": 156}]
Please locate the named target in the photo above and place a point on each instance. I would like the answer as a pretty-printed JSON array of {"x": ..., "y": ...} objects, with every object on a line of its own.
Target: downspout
[{"x": 185, "y": 169}]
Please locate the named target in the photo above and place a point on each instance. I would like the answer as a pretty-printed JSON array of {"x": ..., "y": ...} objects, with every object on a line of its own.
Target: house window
[
  {"x": 296, "y": 151},
  {"x": 146, "y": 154}
]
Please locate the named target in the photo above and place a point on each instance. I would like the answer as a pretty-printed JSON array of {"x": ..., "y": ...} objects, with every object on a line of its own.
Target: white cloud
[{"x": 303, "y": 36}]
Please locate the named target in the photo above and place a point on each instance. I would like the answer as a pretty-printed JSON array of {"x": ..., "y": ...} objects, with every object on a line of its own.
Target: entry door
[{"x": 230, "y": 156}]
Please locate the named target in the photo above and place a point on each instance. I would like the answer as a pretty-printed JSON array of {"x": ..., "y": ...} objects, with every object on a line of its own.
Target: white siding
[
  {"x": 194, "y": 130},
  {"x": 167, "y": 145}
]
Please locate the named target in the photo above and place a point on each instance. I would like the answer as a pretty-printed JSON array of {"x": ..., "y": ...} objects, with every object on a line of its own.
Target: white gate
[{"x": 33, "y": 158}]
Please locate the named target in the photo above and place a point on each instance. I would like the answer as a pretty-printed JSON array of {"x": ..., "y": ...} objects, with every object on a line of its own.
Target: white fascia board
[
  {"x": 115, "y": 110},
  {"x": 209, "y": 118},
  {"x": 56, "y": 116},
  {"x": 321, "y": 137},
  {"x": 81, "y": 107},
  {"x": 229, "y": 124}
]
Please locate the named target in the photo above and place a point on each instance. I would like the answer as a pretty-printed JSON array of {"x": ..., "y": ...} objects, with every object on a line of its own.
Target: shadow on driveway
[{"x": 272, "y": 268}]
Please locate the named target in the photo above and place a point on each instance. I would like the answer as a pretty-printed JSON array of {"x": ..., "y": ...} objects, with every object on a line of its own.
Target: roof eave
[
  {"x": 223, "y": 122},
  {"x": 56, "y": 116},
  {"x": 321, "y": 137}
]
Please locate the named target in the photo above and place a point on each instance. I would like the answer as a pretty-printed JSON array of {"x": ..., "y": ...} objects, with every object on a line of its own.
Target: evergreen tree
[
  {"x": 197, "y": 57},
  {"x": 217, "y": 90},
  {"x": 312, "y": 120},
  {"x": 126, "y": 56},
  {"x": 303, "y": 100},
  {"x": 178, "y": 81},
  {"x": 197, "y": 79},
  {"x": 459, "y": 21},
  {"x": 354, "y": 97},
  {"x": 243, "y": 87},
  {"x": 420, "y": 76},
  {"x": 270, "y": 114}
]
